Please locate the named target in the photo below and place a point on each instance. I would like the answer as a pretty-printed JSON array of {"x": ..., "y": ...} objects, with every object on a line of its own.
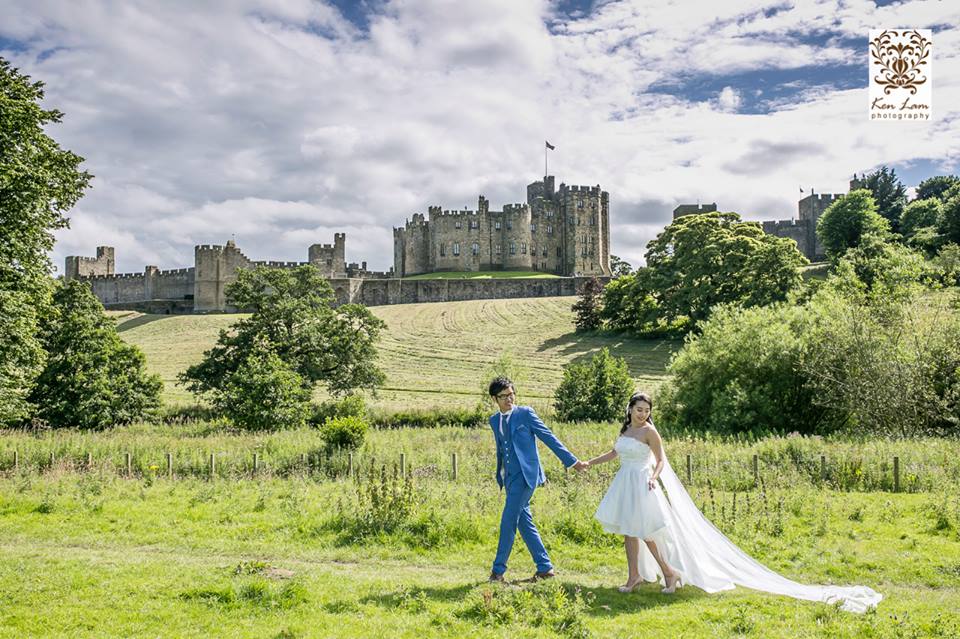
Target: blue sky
[{"x": 282, "y": 122}]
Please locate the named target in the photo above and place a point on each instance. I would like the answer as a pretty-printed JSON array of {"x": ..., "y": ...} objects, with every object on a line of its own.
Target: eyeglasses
[{"x": 505, "y": 395}]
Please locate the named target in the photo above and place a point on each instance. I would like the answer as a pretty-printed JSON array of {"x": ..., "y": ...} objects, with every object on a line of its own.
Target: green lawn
[{"x": 434, "y": 355}]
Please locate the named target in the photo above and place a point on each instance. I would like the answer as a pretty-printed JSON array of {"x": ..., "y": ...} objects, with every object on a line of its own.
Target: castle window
[
  {"x": 550, "y": 213},
  {"x": 499, "y": 252},
  {"x": 443, "y": 249},
  {"x": 475, "y": 249},
  {"x": 558, "y": 252},
  {"x": 458, "y": 224},
  {"x": 475, "y": 224},
  {"x": 497, "y": 225},
  {"x": 580, "y": 203},
  {"x": 549, "y": 229},
  {"x": 456, "y": 248},
  {"x": 583, "y": 250},
  {"x": 533, "y": 250},
  {"x": 533, "y": 227},
  {"x": 544, "y": 251},
  {"x": 513, "y": 248},
  {"x": 593, "y": 220},
  {"x": 523, "y": 248},
  {"x": 509, "y": 225}
]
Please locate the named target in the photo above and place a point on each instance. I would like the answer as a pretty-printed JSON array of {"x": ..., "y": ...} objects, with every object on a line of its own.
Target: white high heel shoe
[{"x": 672, "y": 583}]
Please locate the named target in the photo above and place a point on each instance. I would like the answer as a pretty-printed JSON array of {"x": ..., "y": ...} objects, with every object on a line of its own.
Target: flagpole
[{"x": 545, "y": 161}]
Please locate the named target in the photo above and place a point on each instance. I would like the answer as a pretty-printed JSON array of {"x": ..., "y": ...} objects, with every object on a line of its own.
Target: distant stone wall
[
  {"x": 121, "y": 287},
  {"x": 371, "y": 292}
]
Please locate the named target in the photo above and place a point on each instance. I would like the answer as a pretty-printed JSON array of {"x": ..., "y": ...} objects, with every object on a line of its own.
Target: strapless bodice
[{"x": 632, "y": 451}]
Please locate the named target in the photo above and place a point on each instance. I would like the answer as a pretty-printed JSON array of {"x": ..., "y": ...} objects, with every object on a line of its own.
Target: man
[{"x": 516, "y": 429}]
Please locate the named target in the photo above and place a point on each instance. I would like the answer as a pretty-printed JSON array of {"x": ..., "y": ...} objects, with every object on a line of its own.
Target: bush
[
  {"x": 263, "y": 393},
  {"x": 598, "y": 390},
  {"x": 349, "y": 406},
  {"x": 346, "y": 432},
  {"x": 587, "y": 307},
  {"x": 742, "y": 375},
  {"x": 432, "y": 418}
]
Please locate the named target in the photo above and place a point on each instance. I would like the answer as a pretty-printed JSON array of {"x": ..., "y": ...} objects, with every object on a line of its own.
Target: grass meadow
[
  {"x": 318, "y": 543},
  {"x": 434, "y": 355}
]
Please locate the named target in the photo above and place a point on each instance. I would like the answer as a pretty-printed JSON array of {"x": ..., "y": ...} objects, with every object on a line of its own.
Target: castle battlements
[
  {"x": 177, "y": 271},
  {"x": 273, "y": 264},
  {"x": 114, "y": 276}
]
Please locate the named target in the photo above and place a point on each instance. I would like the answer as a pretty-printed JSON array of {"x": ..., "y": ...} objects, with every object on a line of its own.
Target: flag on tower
[{"x": 549, "y": 146}]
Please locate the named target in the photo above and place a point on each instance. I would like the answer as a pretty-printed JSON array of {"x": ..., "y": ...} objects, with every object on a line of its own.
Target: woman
[{"x": 680, "y": 545}]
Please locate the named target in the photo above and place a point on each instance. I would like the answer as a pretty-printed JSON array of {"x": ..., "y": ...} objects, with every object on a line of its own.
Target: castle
[
  {"x": 802, "y": 230},
  {"x": 563, "y": 231}
]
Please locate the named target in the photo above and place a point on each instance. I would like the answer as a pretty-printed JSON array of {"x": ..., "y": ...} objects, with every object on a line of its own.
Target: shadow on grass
[
  {"x": 139, "y": 321},
  {"x": 643, "y": 356},
  {"x": 603, "y": 602}
]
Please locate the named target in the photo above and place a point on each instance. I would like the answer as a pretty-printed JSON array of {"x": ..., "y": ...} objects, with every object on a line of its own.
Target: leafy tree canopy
[
  {"x": 936, "y": 187},
  {"x": 92, "y": 378},
  {"x": 619, "y": 267},
  {"x": 845, "y": 223},
  {"x": 292, "y": 316},
  {"x": 889, "y": 193},
  {"x": 39, "y": 182}
]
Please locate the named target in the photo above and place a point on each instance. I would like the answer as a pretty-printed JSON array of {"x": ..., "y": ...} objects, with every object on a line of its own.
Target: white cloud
[{"x": 282, "y": 123}]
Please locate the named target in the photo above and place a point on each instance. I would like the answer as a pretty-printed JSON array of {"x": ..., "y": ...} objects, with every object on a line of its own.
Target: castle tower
[
  {"x": 330, "y": 259},
  {"x": 103, "y": 264},
  {"x": 214, "y": 268}
]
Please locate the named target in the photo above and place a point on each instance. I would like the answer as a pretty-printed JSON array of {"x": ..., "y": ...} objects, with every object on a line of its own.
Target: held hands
[{"x": 581, "y": 466}]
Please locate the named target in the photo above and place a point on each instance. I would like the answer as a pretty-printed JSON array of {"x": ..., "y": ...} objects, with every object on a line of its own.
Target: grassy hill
[{"x": 433, "y": 354}]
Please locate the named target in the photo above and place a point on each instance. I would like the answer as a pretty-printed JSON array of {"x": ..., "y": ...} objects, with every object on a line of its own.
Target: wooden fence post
[
  {"x": 129, "y": 464},
  {"x": 689, "y": 470},
  {"x": 403, "y": 464},
  {"x": 350, "y": 465},
  {"x": 456, "y": 470},
  {"x": 256, "y": 462},
  {"x": 896, "y": 474},
  {"x": 169, "y": 465},
  {"x": 89, "y": 461},
  {"x": 823, "y": 468},
  {"x": 16, "y": 459},
  {"x": 756, "y": 471},
  {"x": 52, "y": 460}
]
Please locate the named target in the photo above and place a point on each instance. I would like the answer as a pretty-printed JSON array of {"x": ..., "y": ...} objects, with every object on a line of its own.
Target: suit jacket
[{"x": 524, "y": 429}]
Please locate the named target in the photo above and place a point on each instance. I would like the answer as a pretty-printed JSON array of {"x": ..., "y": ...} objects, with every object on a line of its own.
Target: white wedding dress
[{"x": 690, "y": 543}]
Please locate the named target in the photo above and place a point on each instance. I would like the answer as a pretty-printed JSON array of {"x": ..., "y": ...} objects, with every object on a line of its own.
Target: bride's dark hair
[{"x": 637, "y": 397}]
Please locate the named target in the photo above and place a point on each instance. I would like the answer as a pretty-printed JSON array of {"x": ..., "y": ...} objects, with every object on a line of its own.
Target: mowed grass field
[{"x": 434, "y": 355}]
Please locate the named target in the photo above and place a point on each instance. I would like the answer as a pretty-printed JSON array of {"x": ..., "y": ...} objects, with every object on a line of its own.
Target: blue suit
[{"x": 520, "y": 472}]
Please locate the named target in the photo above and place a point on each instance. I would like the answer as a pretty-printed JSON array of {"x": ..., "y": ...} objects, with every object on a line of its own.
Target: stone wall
[
  {"x": 122, "y": 287},
  {"x": 330, "y": 258}
]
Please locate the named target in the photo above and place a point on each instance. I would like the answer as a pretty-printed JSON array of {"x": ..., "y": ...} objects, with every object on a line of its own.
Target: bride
[{"x": 682, "y": 546}]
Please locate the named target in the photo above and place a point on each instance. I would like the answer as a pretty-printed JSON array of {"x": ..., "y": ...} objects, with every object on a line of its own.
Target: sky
[{"x": 279, "y": 123}]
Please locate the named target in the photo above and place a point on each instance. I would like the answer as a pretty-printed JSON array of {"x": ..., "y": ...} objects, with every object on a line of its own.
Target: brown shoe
[
  {"x": 544, "y": 575},
  {"x": 495, "y": 578}
]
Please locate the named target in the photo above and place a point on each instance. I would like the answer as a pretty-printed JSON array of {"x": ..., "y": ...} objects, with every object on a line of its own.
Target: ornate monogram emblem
[{"x": 900, "y": 55}]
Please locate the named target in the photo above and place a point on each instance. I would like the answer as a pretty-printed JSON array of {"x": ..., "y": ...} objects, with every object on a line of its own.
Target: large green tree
[
  {"x": 92, "y": 378},
  {"x": 889, "y": 193},
  {"x": 700, "y": 261},
  {"x": 293, "y": 317},
  {"x": 949, "y": 227},
  {"x": 39, "y": 182},
  {"x": 920, "y": 224},
  {"x": 936, "y": 187},
  {"x": 845, "y": 223}
]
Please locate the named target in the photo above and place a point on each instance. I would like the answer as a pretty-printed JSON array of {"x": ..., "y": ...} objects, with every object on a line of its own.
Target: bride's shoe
[
  {"x": 630, "y": 587},
  {"x": 674, "y": 582}
]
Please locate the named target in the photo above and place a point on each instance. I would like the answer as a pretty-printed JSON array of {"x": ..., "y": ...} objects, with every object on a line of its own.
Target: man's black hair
[{"x": 499, "y": 384}]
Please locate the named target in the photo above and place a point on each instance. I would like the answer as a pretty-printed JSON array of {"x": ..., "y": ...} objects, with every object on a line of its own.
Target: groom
[{"x": 518, "y": 468}]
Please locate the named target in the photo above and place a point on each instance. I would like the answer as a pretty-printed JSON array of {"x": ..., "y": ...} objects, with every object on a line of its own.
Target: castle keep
[{"x": 563, "y": 231}]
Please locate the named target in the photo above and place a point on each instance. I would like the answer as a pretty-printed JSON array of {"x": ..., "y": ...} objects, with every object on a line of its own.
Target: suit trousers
[{"x": 516, "y": 514}]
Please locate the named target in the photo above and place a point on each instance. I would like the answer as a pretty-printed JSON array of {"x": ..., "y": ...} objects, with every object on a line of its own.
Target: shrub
[
  {"x": 346, "y": 432},
  {"x": 598, "y": 390},
  {"x": 263, "y": 393},
  {"x": 432, "y": 418},
  {"x": 587, "y": 307},
  {"x": 349, "y": 406}
]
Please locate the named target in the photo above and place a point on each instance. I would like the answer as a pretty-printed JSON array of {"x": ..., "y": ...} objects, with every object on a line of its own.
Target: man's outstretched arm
[{"x": 546, "y": 435}]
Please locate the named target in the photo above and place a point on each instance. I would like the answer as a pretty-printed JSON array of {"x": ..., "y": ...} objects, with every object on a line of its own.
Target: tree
[
  {"x": 889, "y": 193},
  {"x": 619, "y": 267},
  {"x": 936, "y": 187},
  {"x": 950, "y": 216},
  {"x": 263, "y": 393},
  {"x": 92, "y": 379},
  {"x": 845, "y": 222},
  {"x": 919, "y": 224},
  {"x": 597, "y": 390},
  {"x": 292, "y": 317},
  {"x": 39, "y": 182},
  {"x": 699, "y": 261},
  {"x": 587, "y": 307}
]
